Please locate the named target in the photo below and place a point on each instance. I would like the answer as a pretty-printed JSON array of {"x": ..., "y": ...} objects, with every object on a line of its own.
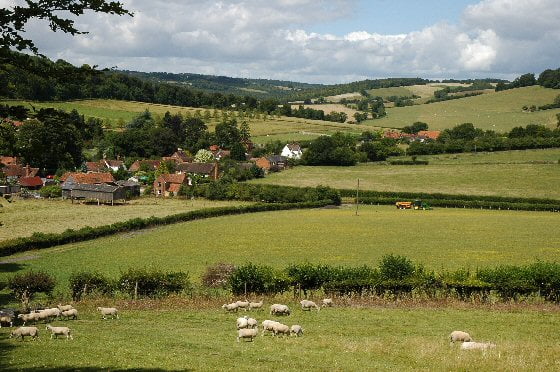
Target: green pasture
[
  {"x": 335, "y": 339},
  {"x": 521, "y": 180},
  {"x": 499, "y": 111},
  {"x": 439, "y": 239},
  {"x": 533, "y": 156},
  {"x": 22, "y": 217},
  {"x": 393, "y": 91}
]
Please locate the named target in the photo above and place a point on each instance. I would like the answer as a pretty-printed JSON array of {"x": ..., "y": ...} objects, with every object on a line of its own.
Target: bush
[
  {"x": 84, "y": 283},
  {"x": 24, "y": 286},
  {"x": 257, "y": 279},
  {"x": 153, "y": 283},
  {"x": 217, "y": 276},
  {"x": 394, "y": 267},
  {"x": 53, "y": 191}
]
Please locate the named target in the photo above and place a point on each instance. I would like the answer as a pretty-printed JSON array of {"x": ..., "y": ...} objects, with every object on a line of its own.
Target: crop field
[
  {"x": 24, "y": 217},
  {"x": 499, "y": 111},
  {"x": 439, "y": 239},
  {"x": 339, "y": 339},
  {"x": 521, "y": 180}
]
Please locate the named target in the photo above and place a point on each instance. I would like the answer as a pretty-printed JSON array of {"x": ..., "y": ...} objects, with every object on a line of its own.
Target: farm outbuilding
[{"x": 100, "y": 193}]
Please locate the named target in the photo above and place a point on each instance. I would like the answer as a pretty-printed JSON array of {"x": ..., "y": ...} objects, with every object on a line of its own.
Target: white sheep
[
  {"x": 296, "y": 330},
  {"x": 308, "y": 305},
  {"x": 230, "y": 307},
  {"x": 242, "y": 322},
  {"x": 52, "y": 312},
  {"x": 5, "y": 318},
  {"x": 267, "y": 325},
  {"x": 460, "y": 336},
  {"x": 278, "y": 309},
  {"x": 31, "y": 317},
  {"x": 247, "y": 333},
  {"x": 469, "y": 345},
  {"x": 327, "y": 302},
  {"x": 70, "y": 313},
  {"x": 25, "y": 331},
  {"x": 65, "y": 307},
  {"x": 252, "y": 323},
  {"x": 55, "y": 331},
  {"x": 108, "y": 311},
  {"x": 255, "y": 305},
  {"x": 279, "y": 328},
  {"x": 242, "y": 304}
]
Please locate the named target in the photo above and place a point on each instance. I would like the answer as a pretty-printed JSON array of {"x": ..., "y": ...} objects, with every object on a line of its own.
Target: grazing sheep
[
  {"x": 255, "y": 305},
  {"x": 460, "y": 336},
  {"x": 252, "y": 323},
  {"x": 308, "y": 305},
  {"x": 247, "y": 333},
  {"x": 52, "y": 312},
  {"x": 468, "y": 345},
  {"x": 70, "y": 313},
  {"x": 5, "y": 318},
  {"x": 64, "y": 307},
  {"x": 25, "y": 331},
  {"x": 242, "y": 322},
  {"x": 108, "y": 311},
  {"x": 31, "y": 317},
  {"x": 327, "y": 302},
  {"x": 55, "y": 331},
  {"x": 279, "y": 328},
  {"x": 296, "y": 330},
  {"x": 278, "y": 309},
  {"x": 230, "y": 307},
  {"x": 242, "y": 304},
  {"x": 267, "y": 325}
]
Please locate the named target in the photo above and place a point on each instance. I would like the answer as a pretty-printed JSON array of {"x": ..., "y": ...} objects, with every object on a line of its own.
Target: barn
[{"x": 99, "y": 193}]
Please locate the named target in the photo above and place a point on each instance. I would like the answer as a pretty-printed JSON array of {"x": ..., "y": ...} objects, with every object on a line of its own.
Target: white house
[{"x": 292, "y": 151}]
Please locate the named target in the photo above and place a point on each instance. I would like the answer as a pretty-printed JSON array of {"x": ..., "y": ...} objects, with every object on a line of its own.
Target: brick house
[
  {"x": 203, "y": 170},
  {"x": 273, "y": 162},
  {"x": 151, "y": 164},
  {"x": 166, "y": 184}
]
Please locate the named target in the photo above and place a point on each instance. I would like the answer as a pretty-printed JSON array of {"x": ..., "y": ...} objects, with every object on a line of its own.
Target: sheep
[
  {"x": 31, "y": 317},
  {"x": 5, "y": 318},
  {"x": 296, "y": 330},
  {"x": 468, "y": 345},
  {"x": 327, "y": 302},
  {"x": 460, "y": 336},
  {"x": 242, "y": 304},
  {"x": 252, "y": 323},
  {"x": 255, "y": 305},
  {"x": 65, "y": 307},
  {"x": 52, "y": 312},
  {"x": 230, "y": 307},
  {"x": 278, "y": 309},
  {"x": 242, "y": 322},
  {"x": 70, "y": 313},
  {"x": 42, "y": 315},
  {"x": 279, "y": 328},
  {"x": 308, "y": 305},
  {"x": 108, "y": 311},
  {"x": 55, "y": 331},
  {"x": 267, "y": 325},
  {"x": 247, "y": 333},
  {"x": 25, "y": 331}
]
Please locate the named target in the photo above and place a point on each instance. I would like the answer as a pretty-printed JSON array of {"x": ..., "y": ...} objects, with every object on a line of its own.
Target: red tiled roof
[
  {"x": 153, "y": 164},
  {"x": 89, "y": 178},
  {"x": 114, "y": 163},
  {"x": 198, "y": 168},
  {"x": 16, "y": 170},
  {"x": 432, "y": 134},
  {"x": 174, "y": 187},
  {"x": 30, "y": 181},
  {"x": 94, "y": 166},
  {"x": 172, "y": 178},
  {"x": 8, "y": 160}
]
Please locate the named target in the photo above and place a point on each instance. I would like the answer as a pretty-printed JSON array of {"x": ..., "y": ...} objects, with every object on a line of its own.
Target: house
[
  {"x": 219, "y": 154},
  {"x": 9, "y": 160},
  {"x": 104, "y": 165},
  {"x": 273, "y": 162},
  {"x": 203, "y": 170},
  {"x": 95, "y": 166},
  {"x": 71, "y": 180},
  {"x": 149, "y": 164},
  {"x": 15, "y": 171},
  {"x": 30, "y": 183},
  {"x": 102, "y": 193},
  {"x": 429, "y": 134},
  {"x": 168, "y": 184},
  {"x": 179, "y": 157},
  {"x": 292, "y": 151}
]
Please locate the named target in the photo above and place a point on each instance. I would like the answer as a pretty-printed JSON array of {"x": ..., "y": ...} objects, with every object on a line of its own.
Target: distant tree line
[{"x": 310, "y": 113}]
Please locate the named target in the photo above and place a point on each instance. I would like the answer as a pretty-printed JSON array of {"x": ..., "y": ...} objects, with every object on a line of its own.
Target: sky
[{"x": 317, "y": 41}]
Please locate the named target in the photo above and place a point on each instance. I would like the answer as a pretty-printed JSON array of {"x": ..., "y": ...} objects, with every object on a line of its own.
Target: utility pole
[{"x": 357, "y": 196}]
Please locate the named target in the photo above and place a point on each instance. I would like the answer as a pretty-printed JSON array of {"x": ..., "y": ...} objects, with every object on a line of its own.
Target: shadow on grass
[{"x": 10, "y": 267}]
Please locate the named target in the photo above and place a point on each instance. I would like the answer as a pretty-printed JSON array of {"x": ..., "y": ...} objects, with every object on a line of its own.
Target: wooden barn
[{"x": 99, "y": 193}]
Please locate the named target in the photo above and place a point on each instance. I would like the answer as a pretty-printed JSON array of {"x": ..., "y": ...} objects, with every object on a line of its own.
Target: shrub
[
  {"x": 394, "y": 267},
  {"x": 25, "y": 285},
  {"x": 251, "y": 278},
  {"x": 84, "y": 283},
  {"x": 153, "y": 283},
  {"x": 53, "y": 191},
  {"x": 217, "y": 276}
]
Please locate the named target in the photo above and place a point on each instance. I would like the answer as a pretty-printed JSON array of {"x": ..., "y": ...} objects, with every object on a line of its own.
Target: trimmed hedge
[{"x": 41, "y": 240}]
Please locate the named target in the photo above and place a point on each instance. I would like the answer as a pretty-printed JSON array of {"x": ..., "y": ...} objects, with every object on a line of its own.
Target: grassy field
[
  {"x": 24, "y": 217},
  {"x": 442, "y": 238},
  {"x": 335, "y": 339},
  {"x": 500, "y": 111},
  {"x": 499, "y": 157},
  {"x": 522, "y": 180}
]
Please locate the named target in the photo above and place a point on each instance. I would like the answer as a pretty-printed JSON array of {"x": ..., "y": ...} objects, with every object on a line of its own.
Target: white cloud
[{"x": 259, "y": 38}]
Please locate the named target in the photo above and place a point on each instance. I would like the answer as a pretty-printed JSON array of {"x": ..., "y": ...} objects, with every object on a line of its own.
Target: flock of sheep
[
  {"x": 247, "y": 328},
  {"x": 48, "y": 315}
]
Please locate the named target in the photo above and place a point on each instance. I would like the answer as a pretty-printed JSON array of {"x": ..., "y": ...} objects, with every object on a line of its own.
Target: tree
[
  {"x": 176, "y": 124},
  {"x": 25, "y": 286},
  {"x": 244, "y": 131},
  {"x": 203, "y": 156},
  {"x": 13, "y": 20},
  {"x": 227, "y": 133},
  {"x": 415, "y": 127},
  {"x": 194, "y": 132}
]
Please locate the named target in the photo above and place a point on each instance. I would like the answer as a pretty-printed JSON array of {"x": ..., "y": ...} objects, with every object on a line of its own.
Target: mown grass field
[
  {"x": 24, "y": 217},
  {"x": 439, "y": 239},
  {"x": 335, "y": 339},
  {"x": 499, "y": 157},
  {"x": 499, "y": 111}
]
